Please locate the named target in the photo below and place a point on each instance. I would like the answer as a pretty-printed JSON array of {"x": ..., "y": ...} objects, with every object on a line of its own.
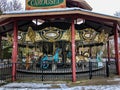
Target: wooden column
[
  {"x": 73, "y": 52},
  {"x": 116, "y": 35},
  {"x": 108, "y": 50},
  {"x": 15, "y": 50}
]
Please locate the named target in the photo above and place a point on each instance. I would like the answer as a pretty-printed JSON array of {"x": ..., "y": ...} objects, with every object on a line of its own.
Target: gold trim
[
  {"x": 31, "y": 34},
  {"x": 10, "y": 40},
  {"x": 101, "y": 37},
  {"x": 48, "y": 30}
]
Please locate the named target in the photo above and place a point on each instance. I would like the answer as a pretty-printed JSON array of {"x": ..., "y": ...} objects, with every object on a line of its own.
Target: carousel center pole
[
  {"x": 14, "y": 51},
  {"x": 73, "y": 52}
]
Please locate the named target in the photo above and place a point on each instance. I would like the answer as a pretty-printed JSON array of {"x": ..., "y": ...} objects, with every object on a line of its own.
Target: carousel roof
[
  {"x": 62, "y": 19},
  {"x": 79, "y": 3},
  {"x": 56, "y": 11}
]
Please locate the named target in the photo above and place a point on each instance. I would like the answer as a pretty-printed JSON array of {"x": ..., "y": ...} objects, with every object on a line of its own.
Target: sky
[{"x": 108, "y": 7}]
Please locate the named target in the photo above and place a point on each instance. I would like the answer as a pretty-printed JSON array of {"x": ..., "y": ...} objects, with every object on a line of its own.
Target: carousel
[
  {"x": 59, "y": 36},
  {"x": 50, "y": 49}
]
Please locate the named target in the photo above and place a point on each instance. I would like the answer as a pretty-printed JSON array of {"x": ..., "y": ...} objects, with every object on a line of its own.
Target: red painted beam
[
  {"x": 94, "y": 18},
  {"x": 6, "y": 21},
  {"x": 118, "y": 27},
  {"x": 87, "y": 17},
  {"x": 15, "y": 50},
  {"x": 45, "y": 17},
  {"x": 116, "y": 36},
  {"x": 73, "y": 52},
  {"x": 3, "y": 33}
]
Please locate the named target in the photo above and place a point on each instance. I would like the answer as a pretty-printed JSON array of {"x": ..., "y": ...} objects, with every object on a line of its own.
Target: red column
[
  {"x": 116, "y": 35},
  {"x": 14, "y": 51},
  {"x": 73, "y": 52},
  {"x": 108, "y": 50}
]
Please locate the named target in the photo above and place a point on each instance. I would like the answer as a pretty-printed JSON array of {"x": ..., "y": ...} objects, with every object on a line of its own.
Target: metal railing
[
  {"x": 5, "y": 73},
  {"x": 56, "y": 71}
]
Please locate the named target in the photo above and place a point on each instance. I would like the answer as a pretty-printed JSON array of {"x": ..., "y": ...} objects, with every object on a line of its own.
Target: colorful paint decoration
[{"x": 45, "y": 4}]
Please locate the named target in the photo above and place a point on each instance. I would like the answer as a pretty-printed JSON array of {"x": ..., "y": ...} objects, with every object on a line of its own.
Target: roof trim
[
  {"x": 84, "y": 4},
  {"x": 55, "y": 12},
  {"x": 59, "y": 11}
]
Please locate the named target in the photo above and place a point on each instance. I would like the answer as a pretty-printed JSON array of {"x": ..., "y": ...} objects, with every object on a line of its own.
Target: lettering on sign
[{"x": 45, "y": 4}]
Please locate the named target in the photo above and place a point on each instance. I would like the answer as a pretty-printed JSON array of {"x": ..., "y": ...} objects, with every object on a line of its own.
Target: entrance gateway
[{"x": 52, "y": 42}]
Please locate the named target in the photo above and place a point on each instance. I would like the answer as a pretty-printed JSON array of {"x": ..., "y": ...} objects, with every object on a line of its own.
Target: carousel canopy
[
  {"x": 79, "y": 3},
  {"x": 60, "y": 18}
]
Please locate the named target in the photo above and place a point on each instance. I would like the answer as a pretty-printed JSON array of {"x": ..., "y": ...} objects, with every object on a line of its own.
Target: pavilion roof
[
  {"x": 79, "y": 3},
  {"x": 106, "y": 20},
  {"x": 56, "y": 11}
]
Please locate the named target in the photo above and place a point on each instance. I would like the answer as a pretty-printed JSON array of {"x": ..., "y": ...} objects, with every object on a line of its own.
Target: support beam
[
  {"x": 6, "y": 21},
  {"x": 14, "y": 51},
  {"x": 116, "y": 35},
  {"x": 86, "y": 15},
  {"x": 73, "y": 52},
  {"x": 4, "y": 32},
  {"x": 118, "y": 27},
  {"x": 94, "y": 18}
]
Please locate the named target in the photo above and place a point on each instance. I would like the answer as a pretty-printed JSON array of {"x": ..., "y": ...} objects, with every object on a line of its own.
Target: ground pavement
[{"x": 94, "y": 84}]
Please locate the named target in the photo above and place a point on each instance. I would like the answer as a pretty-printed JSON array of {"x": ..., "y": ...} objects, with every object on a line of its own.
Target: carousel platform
[{"x": 62, "y": 69}]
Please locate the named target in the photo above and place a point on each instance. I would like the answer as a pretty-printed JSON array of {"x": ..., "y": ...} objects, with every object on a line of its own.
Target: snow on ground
[{"x": 41, "y": 86}]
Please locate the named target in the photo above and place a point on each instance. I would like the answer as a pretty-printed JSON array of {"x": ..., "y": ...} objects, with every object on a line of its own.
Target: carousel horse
[
  {"x": 99, "y": 58},
  {"x": 45, "y": 59},
  {"x": 82, "y": 59},
  {"x": 29, "y": 61}
]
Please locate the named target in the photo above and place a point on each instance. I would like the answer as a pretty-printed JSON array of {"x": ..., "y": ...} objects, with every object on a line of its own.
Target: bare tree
[
  {"x": 3, "y": 5},
  {"x": 13, "y": 5}
]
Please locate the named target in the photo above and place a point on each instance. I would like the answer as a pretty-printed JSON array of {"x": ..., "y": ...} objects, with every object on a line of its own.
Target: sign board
[{"x": 45, "y": 4}]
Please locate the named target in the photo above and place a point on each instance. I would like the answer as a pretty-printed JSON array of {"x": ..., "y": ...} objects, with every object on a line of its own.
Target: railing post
[
  {"x": 42, "y": 70},
  {"x": 107, "y": 68},
  {"x": 90, "y": 70}
]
